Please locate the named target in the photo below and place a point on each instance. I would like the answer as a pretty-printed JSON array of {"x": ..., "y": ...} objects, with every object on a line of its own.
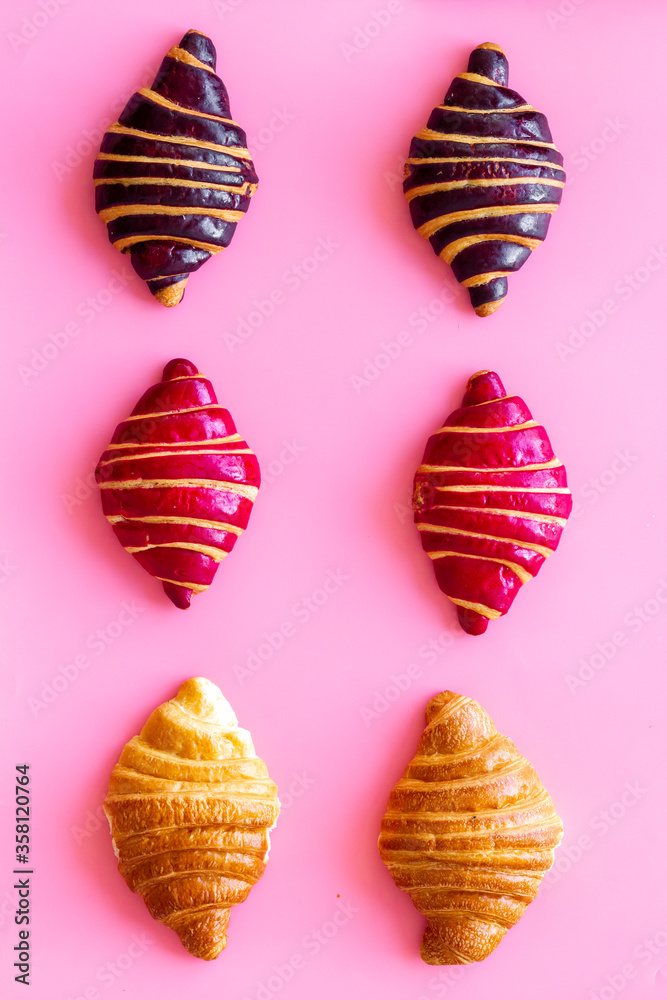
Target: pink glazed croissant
[
  {"x": 178, "y": 483},
  {"x": 490, "y": 501}
]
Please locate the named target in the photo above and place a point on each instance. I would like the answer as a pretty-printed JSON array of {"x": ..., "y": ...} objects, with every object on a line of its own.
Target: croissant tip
[
  {"x": 172, "y": 294},
  {"x": 178, "y": 595},
  {"x": 490, "y": 45},
  {"x": 483, "y": 387},
  {"x": 179, "y": 367},
  {"x": 487, "y": 308},
  {"x": 472, "y": 622}
]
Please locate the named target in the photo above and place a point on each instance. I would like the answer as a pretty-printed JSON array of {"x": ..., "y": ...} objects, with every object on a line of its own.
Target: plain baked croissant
[
  {"x": 178, "y": 482},
  {"x": 469, "y": 832},
  {"x": 490, "y": 501},
  {"x": 174, "y": 175},
  {"x": 190, "y": 807},
  {"x": 484, "y": 178}
]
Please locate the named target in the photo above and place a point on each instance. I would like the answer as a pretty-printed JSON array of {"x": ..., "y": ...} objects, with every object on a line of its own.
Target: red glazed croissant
[
  {"x": 490, "y": 501},
  {"x": 483, "y": 179},
  {"x": 178, "y": 483},
  {"x": 190, "y": 807},
  {"x": 469, "y": 832},
  {"x": 174, "y": 175}
]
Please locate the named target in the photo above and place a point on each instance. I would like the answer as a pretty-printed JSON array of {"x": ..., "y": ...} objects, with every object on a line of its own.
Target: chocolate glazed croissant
[
  {"x": 190, "y": 807},
  {"x": 469, "y": 832},
  {"x": 174, "y": 175},
  {"x": 490, "y": 501},
  {"x": 178, "y": 483},
  {"x": 483, "y": 179}
]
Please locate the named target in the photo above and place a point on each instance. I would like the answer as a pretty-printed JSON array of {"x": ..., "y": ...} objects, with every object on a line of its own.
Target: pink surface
[{"x": 337, "y": 288}]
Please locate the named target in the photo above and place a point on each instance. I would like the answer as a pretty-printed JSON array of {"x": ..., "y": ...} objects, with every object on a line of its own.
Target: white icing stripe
[
  {"x": 129, "y": 241},
  {"x": 163, "y": 102},
  {"x": 206, "y": 550},
  {"x": 490, "y": 488},
  {"x": 487, "y": 430},
  {"x": 236, "y": 152},
  {"x": 481, "y": 182},
  {"x": 196, "y": 588},
  {"x": 543, "y": 550},
  {"x": 417, "y": 160},
  {"x": 250, "y": 492},
  {"x": 502, "y": 512},
  {"x": 174, "y": 444},
  {"x": 174, "y": 454},
  {"x": 553, "y": 464},
  {"x": 171, "y": 413},
  {"x": 167, "y": 161},
  {"x": 125, "y": 211},
  {"x": 451, "y": 250},
  {"x": 522, "y": 573},
  {"x": 473, "y": 140},
  {"x": 487, "y": 111},
  {"x": 246, "y": 188},
  {"x": 489, "y": 212},
  {"x": 477, "y": 78},
  {"x": 196, "y": 522}
]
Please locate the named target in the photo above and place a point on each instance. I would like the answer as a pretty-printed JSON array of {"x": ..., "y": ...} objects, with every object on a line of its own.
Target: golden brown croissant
[
  {"x": 469, "y": 832},
  {"x": 190, "y": 807}
]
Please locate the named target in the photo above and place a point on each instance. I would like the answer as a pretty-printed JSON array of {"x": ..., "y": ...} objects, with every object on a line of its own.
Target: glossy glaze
[
  {"x": 490, "y": 501},
  {"x": 178, "y": 483}
]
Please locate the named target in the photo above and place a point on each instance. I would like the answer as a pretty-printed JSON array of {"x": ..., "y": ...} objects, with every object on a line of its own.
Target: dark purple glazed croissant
[
  {"x": 174, "y": 175},
  {"x": 483, "y": 179}
]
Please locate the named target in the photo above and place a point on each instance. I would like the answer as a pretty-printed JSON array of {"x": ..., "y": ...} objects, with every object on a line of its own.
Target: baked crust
[
  {"x": 469, "y": 832},
  {"x": 190, "y": 807}
]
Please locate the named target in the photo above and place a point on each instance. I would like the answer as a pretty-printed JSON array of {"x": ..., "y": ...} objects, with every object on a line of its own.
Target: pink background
[{"x": 332, "y": 110}]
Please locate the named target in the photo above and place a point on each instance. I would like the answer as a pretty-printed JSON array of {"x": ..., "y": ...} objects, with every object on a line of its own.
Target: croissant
[
  {"x": 178, "y": 483},
  {"x": 469, "y": 832},
  {"x": 174, "y": 175},
  {"x": 490, "y": 501},
  {"x": 190, "y": 807},
  {"x": 483, "y": 179}
]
